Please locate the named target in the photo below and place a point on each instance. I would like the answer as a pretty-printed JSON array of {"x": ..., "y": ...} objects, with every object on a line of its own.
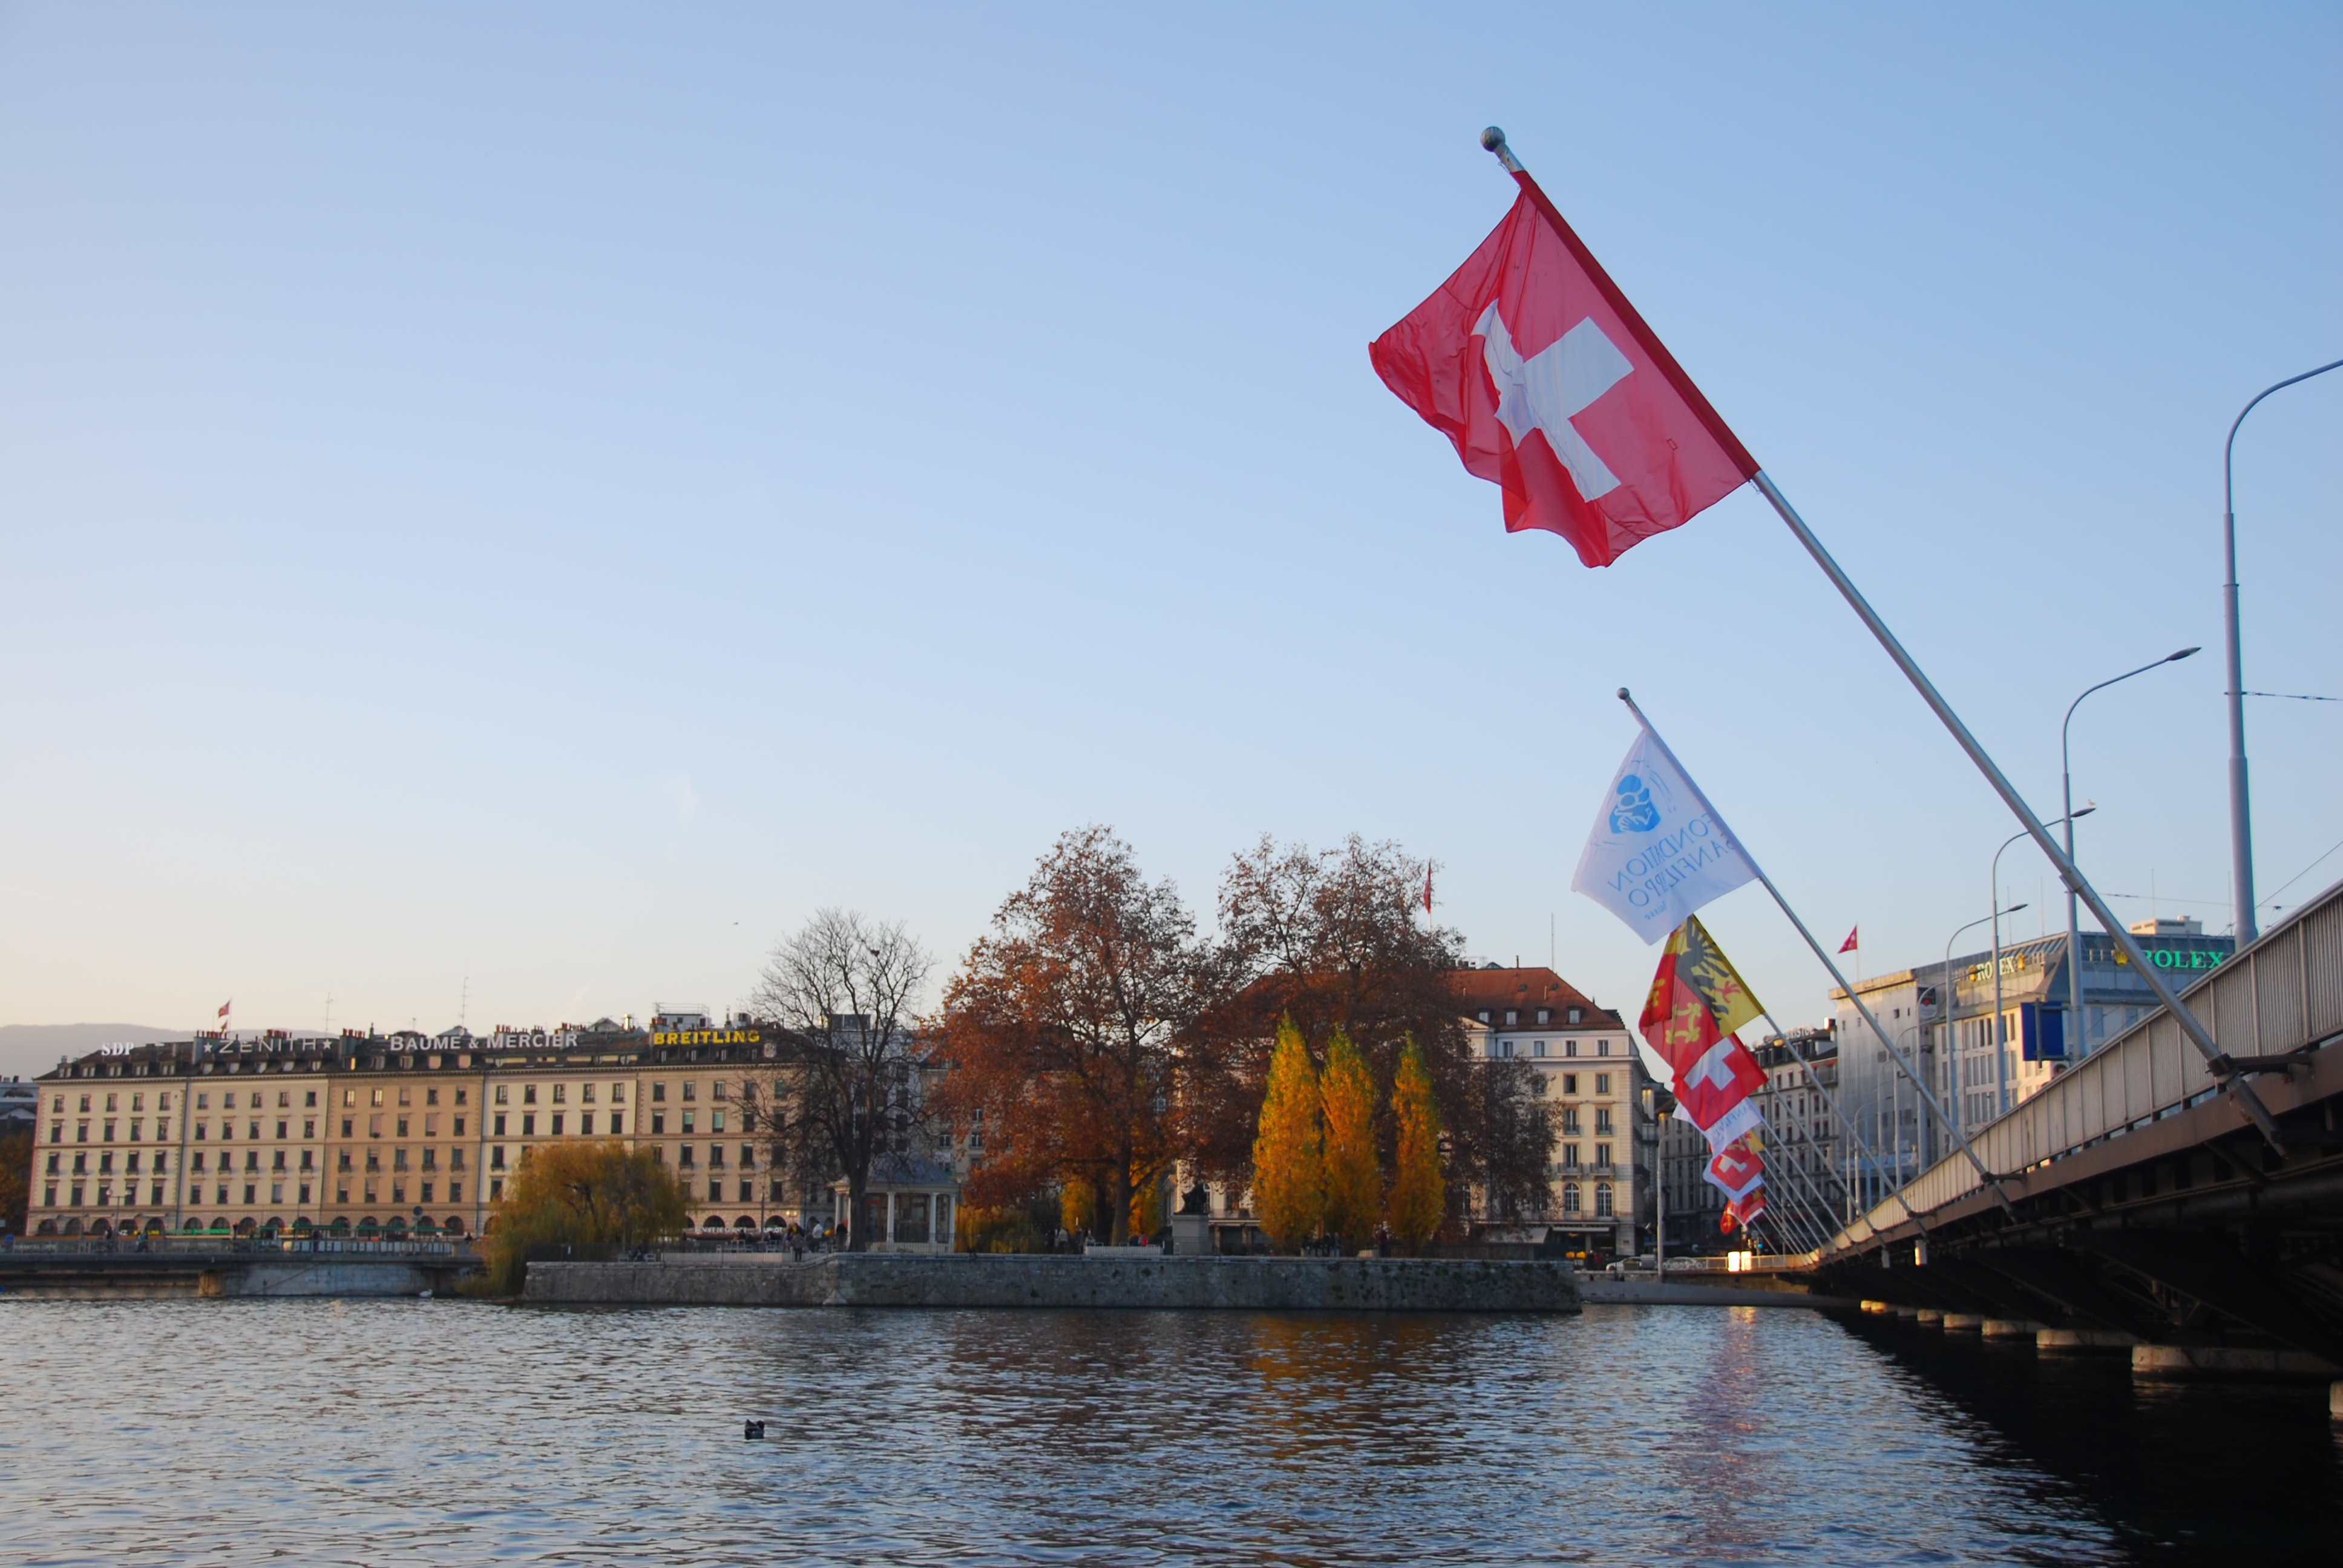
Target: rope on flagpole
[
  {"x": 1788, "y": 1145},
  {"x": 1920, "y": 1082},
  {"x": 1830, "y": 1100},
  {"x": 1787, "y": 1179},
  {"x": 2224, "y": 1071}
]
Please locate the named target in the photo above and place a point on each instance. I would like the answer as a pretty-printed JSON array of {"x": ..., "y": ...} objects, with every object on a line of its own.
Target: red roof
[{"x": 1525, "y": 991}]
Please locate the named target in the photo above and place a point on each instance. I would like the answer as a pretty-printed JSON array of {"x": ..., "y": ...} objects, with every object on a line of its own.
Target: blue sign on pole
[{"x": 2042, "y": 1032}]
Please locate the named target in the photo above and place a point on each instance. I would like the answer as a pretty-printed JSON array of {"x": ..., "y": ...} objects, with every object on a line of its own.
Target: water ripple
[{"x": 453, "y": 1433}]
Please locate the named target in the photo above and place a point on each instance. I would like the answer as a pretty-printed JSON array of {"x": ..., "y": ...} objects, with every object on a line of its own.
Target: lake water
[{"x": 452, "y": 1432}]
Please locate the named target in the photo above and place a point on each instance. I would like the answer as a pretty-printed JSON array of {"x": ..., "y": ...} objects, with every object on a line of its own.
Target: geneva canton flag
[{"x": 1657, "y": 852}]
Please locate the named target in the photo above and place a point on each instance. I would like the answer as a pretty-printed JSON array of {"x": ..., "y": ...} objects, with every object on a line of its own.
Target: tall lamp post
[
  {"x": 2000, "y": 1045},
  {"x": 2066, "y": 784},
  {"x": 1954, "y": 1095},
  {"x": 2241, "y": 832}
]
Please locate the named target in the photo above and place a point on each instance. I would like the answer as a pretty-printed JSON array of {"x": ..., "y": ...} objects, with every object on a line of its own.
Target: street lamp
[
  {"x": 2066, "y": 784},
  {"x": 1953, "y": 1086},
  {"x": 2241, "y": 832},
  {"x": 2000, "y": 1051}
]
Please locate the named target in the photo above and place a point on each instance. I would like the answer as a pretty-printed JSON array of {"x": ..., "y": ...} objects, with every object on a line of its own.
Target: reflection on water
[{"x": 455, "y": 1432}]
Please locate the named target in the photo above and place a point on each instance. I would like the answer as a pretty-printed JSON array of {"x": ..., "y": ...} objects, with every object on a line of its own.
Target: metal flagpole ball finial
[{"x": 1493, "y": 138}]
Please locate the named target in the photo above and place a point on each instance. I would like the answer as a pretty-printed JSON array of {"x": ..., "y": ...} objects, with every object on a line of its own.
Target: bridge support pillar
[
  {"x": 2071, "y": 1341},
  {"x": 2011, "y": 1328},
  {"x": 2227, "y": 1362}
]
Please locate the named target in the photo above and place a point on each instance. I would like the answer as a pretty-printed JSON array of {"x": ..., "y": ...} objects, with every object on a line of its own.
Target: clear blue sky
[{"x": 552, "y": 495}]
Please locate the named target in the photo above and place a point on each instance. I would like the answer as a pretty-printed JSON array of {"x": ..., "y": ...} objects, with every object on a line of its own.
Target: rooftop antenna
[
  {"x": 329, "y": 1011},
  {"x": 464, "y": 1007}
]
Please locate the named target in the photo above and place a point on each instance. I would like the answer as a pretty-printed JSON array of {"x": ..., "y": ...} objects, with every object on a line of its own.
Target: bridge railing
[{"x": 2283, "y": 992}]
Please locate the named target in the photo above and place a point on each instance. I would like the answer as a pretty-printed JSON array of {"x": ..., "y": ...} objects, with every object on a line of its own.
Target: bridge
[{"x": 2133, "y": 1202}]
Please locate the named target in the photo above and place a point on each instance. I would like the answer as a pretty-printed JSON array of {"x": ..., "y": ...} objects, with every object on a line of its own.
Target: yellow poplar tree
[
  {"x": 1419, "y": 1195},
  {"x": 1354, "y": 1177},
  {"x": 1288, "y": 1174}
]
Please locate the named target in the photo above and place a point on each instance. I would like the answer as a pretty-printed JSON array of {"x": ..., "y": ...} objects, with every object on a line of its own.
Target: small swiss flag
[
  {"x": 1851, "y": 945},
  {"x": 1534, "y": 363}
]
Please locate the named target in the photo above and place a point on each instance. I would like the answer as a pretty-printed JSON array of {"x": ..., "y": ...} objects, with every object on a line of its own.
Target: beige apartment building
[
  {"x": 1583, "y": 1064},
  {"x": 401, "y": 1134}
]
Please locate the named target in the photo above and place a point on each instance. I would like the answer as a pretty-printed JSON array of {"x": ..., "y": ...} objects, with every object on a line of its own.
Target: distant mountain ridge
[{"x": 29, "y": 1049}]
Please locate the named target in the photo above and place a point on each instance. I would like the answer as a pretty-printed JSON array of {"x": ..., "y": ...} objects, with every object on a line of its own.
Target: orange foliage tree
[{"x": 1064, "y": 1030}]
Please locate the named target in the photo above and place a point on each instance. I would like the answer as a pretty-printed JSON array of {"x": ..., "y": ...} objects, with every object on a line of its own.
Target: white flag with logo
[{"x": 1657, "y": 852}]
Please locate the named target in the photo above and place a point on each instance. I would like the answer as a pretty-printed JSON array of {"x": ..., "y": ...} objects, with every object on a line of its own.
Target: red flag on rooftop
[
  {"x": 1850, "y": 945},
  {"x": 1534, "y": 363}
]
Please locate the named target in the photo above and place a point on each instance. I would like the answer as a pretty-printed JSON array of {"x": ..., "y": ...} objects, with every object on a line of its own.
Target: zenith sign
[{"x": 1543, "y": 391}]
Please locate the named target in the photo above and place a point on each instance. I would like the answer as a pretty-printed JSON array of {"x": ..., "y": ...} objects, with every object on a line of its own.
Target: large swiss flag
[{"x": 1535, "y": 365}]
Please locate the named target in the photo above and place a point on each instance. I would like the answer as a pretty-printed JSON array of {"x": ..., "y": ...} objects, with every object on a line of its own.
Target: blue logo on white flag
[{"x": 1634, "y": 812}]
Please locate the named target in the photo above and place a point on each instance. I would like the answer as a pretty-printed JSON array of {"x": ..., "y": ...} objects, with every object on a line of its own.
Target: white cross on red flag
[{"x": 1534, "y": 363}]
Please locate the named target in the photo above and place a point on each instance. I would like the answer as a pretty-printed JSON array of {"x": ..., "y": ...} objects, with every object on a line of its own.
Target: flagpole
[
  {"x": 2217, "y": 1061},
  {"x": 2222, "y": 1068},
  {"x": 1828, "y": 963}
]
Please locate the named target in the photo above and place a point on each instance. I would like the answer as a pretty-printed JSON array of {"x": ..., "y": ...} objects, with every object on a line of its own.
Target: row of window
[
  {"x": 501, "y": 1094},
  {"x": 195, "y": 1161},
  {"x": 615, "y": 1126},
  {"x": 688, "y": 1158},
  {"x": 1505, "y": 1048},
  {"x": 105, "y": 1196},
  {"x": 1545, "y": 1016},
  {"x": 1603, "y": 1200}
]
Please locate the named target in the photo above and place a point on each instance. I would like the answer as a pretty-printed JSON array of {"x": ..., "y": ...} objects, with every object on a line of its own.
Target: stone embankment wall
[{"x": 982, "y": 1279}]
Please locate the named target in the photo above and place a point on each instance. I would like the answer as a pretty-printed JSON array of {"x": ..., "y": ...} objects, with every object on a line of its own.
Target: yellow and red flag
[{"x": 1697, "y": 1000}]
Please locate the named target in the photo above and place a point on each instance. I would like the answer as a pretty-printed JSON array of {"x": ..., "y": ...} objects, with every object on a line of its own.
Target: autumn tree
[
  {"x": 1419, "y": 1193},
  {"x": 1289, "y": 1174},
  {"x": 1063, "y": 1028},
  {"x": 1354, "y": 1178},
  {"x": 846, "y": 1081},
  {"x": 579, "y": 1193},
  {"x": 1337, "y": 940}
]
